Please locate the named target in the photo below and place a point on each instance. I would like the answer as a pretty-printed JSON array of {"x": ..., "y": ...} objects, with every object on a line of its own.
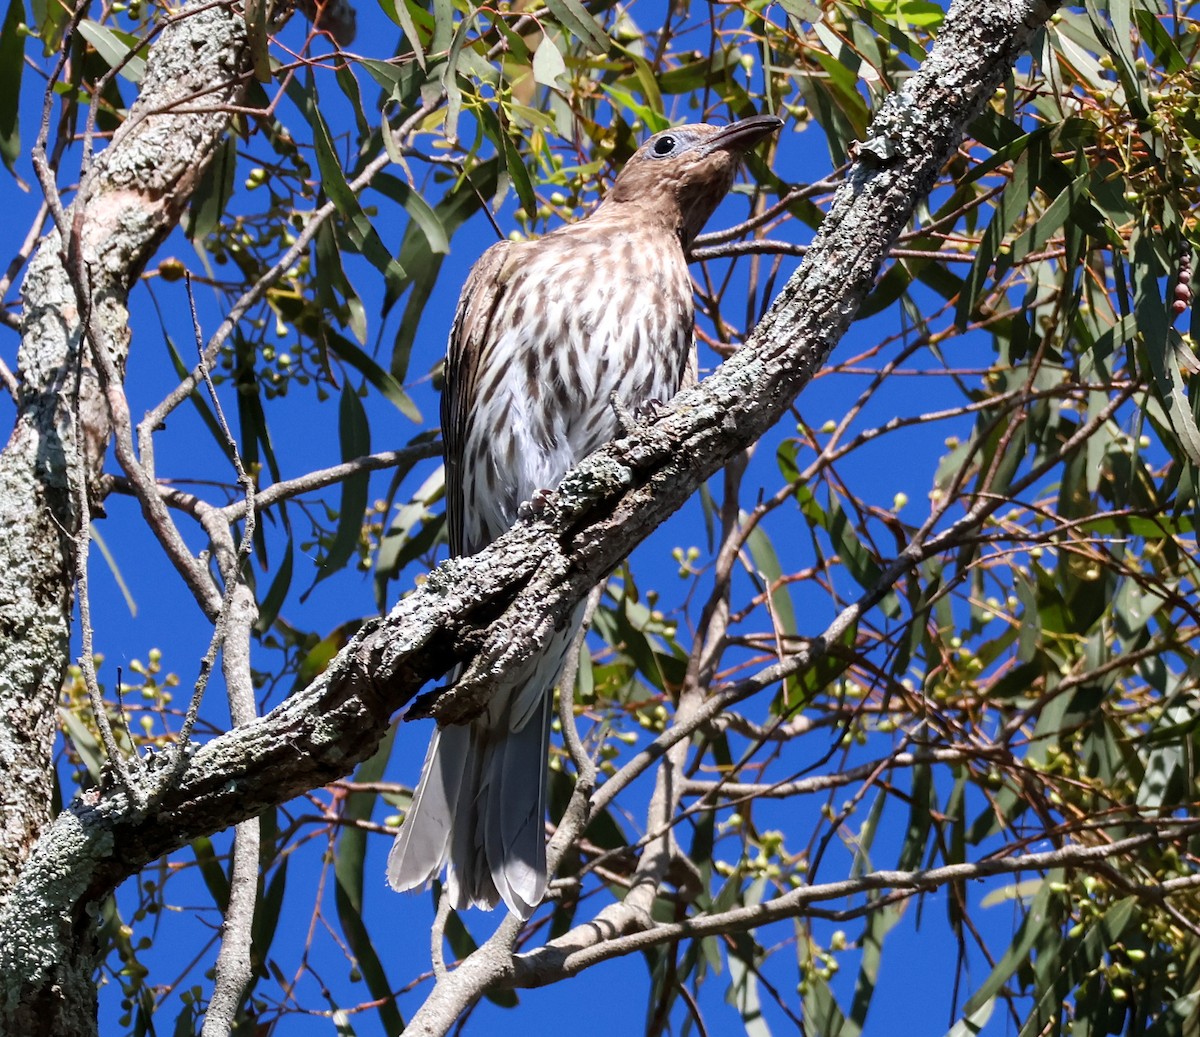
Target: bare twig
[
  {"x": 87, "y": 655},
  {"x": 9, "y": 381},
  {"x": 232, "y": 633},
  {"x": 586, "y": 946}
]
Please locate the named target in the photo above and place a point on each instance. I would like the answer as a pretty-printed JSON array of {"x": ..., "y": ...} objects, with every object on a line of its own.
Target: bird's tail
[{"x": 480, "y": 806}]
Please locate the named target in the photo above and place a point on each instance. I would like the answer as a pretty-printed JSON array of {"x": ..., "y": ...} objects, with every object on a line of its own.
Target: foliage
[{"x": 1015, "y": 414}]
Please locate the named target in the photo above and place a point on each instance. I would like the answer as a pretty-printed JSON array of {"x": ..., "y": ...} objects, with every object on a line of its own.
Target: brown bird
[{"x": 547, "y": 334}]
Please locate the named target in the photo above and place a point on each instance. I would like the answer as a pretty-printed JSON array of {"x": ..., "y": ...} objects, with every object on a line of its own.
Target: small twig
[
  {"x": 87, "y": 661},
  {"x": 289, "y": 488},
  {"x": 232, "y": 633},
  {"x": 585, "y": 766},
  {"x": 796, "y": 194},
  {"x": 22, "y": 254},
  {"x": 311, "y": 481},
  {"x": 231, "y": 570},
  {"x": 9, "y": 380},
  {"x": 436, "y": 955}
]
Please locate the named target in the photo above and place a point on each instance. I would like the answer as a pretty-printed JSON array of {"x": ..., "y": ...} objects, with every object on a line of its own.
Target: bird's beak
[{"x": 742, "y": 136}]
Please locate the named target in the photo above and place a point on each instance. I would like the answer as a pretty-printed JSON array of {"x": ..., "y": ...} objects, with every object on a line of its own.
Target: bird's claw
[
  {"x": 650, "y": 410},
  {"x": 535, "y": 506},
  {"x": 628, "y": 418}
]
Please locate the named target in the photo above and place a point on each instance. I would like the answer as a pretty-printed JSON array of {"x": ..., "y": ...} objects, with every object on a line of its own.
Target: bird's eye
[{"x": 664, "y": 145}]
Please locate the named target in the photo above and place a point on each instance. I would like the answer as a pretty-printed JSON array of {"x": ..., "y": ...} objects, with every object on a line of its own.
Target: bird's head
[{"x": 680, "y": 175}]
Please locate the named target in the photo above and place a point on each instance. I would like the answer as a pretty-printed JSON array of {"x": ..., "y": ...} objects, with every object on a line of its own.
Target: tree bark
[
  {"x": 491, "y": 611},
  {"x": 129, "y": 200}
]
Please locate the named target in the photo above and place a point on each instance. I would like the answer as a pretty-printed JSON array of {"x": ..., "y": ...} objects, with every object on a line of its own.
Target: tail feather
[
  {"x": 421, "y": 846},
  {"x": 515, "y": 814},
  {"x": 480, "y": 806}
]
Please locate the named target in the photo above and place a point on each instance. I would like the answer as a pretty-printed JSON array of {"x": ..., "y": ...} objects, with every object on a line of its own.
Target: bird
[{"x": 553, "y": 342}]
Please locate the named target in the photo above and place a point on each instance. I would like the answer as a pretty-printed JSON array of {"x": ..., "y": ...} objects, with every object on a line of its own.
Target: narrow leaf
[
  {"x": 355, "y": 436},
  {"x": 358, "y": 226},
  {"x": 376, "y": 375},
  {"x": 12, "y": 52},
  {"x": 573, "y": 16},
  {"x": 114, "y": 47}
]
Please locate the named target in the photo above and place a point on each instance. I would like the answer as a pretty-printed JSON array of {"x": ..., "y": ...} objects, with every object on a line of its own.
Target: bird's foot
[
  {"x": 535, "y": 507},
  {"x": 651, "y": 410},
  {"x": 628, "y": 418}
]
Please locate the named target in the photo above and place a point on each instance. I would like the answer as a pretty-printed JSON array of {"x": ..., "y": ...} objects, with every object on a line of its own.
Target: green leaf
[
  {"x": 1154, "y": 33},
  {"x": 197, "y": 398},
  {"x": 268, "y": 608},
  {"x": 331, "y": 281},
  {"x": 267, "y": 910},
  {"x": 212, "y": 194},
  {"x": 211, "y": 871},
  {"x": 879, "y": 922},
  {"x": 922, "y": 807},
  {"x": 419, "y": 210},
  {"x": 414, "y": 530},
  {"x": 1118, "y": 38},
  {"x": 85, "y": 744},
  {"x": 514, "y": 164},
  {"x": 111, "y": 562},
  {"x": 357, "y": 224},
  {"x": 252, "y": 419},
  {"x": 802, "y": 10},
  {"x": 257, "y": 38},
  {"x": 629, "y": 626},
  {"x": 349, "y": 85},
  {"x": 1168, "y": 774},
  {"x": 115, "y": 47},
  {"x": 766, "y": 561},
  {"x": 548, "y": 64},
  {"x": 743, "y": 995},
  {"x": 12, "y": 64},
  {"x": 1037, "y": 922},
  {"x": 574, "y": 17},
  {"x": 822, "y": 1015},
  {"x": 972, "y": 1023},
  {"x": 402, "y": 81},
  {"x": 449, "y": 75},
  {"x": 402, "y": 15},
  {"x": 392, "y": 390},
  {"x": 354, "y": 435},
  {"x": 50, "y": 19},
  {"x": 321, "y": 654},
  {"x": 462, "y": 202}
]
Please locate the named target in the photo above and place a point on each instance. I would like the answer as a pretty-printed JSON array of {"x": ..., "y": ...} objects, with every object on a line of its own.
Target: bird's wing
[{"x": 469, "y": 335}]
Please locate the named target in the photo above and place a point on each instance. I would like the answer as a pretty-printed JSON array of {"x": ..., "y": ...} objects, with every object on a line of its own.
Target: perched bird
[{"x": 548, "y": 333}]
